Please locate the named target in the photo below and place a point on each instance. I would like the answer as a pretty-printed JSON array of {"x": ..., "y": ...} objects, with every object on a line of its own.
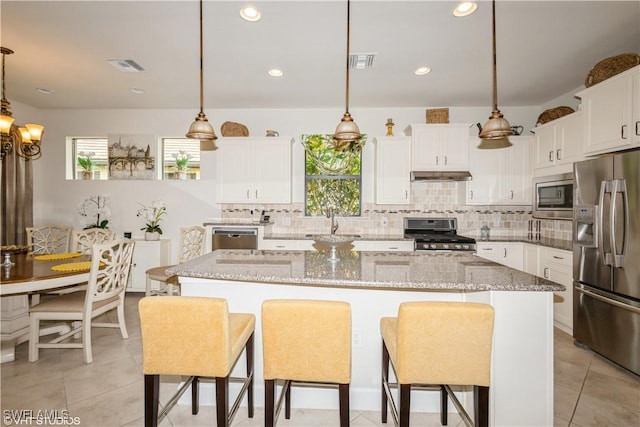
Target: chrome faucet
[{"x": 334, "y": 222}]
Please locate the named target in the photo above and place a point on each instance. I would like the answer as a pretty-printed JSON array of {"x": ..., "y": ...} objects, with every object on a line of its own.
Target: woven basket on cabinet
[
  {"x": 553, "y": 113},
  {"x": 233, "y": 129},
  {"x": 610, "y": 67}
]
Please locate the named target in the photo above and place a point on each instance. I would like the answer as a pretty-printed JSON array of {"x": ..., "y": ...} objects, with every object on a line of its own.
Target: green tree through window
[{"x": 333, "y": 178}]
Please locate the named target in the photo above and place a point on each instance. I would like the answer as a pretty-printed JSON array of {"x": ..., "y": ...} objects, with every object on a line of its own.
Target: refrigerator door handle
[
  {"x": 608, "y": 300},
  {"x": 619, "y": 186},
  {"x": 605, "y": 187}
]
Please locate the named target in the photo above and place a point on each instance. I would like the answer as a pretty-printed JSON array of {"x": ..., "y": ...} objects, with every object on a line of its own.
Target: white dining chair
[
  {"x": 191, "y": 246},
  {"x": 109, "y": 272},
  {"x": 49, "y": 239},
  {"x": 83, "y": 240}
]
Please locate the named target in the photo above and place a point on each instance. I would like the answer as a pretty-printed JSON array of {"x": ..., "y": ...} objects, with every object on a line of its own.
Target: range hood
[{"x": 440, "y": 176}]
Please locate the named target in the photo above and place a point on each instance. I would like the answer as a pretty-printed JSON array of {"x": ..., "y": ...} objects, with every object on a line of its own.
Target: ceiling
[{"x": 545, "y": 49}]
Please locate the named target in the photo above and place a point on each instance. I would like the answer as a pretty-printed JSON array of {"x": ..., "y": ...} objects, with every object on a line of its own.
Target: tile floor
[{"x": 589, "y": 391}]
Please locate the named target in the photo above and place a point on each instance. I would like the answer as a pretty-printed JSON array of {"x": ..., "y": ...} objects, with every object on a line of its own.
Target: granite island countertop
[
  {"x": 549, "y": 242},
  {"x": 419, "y": 271}
]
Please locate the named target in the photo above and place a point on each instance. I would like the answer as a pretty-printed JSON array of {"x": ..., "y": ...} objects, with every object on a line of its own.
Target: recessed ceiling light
[
  {"x": 274, "y": 72},
  {"x": 250, "y": 14},
  {"x": 136, "y": 90},
  {"x": 45, "y": 91},
  {"x": 422, "y": 71},
  {"x": 126, "y": 65},
  {"x": 465, "y": 8}
]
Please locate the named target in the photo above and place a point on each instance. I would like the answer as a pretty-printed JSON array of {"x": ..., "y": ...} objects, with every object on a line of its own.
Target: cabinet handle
[
  {"x": 247, "y": 194},
  {"x": 436, "y": 160},
  {"x": 512, "y": 194},
  {"x": 551, "y": 156},
  {"x": 638, "y": 128},
  {"x": 256, "y": 194},
  {"x": 622, "y": 129},
  {"x": 487, "y": 249},
  {"x": 558, "y": 156},
  {"x": 558, "y": 257},
  {"x": 546, "y": 272},
  {"x": 406, "y": 194},
  {"x": 445, "y": 160},
  {"x": 280, "y": 246},
  {"x": 471, "y": 195},
  {"x": 393, "y": 247},
  {"x": 504, "y": 253}
]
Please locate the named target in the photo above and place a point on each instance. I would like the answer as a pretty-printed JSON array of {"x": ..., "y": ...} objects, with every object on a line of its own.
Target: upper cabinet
[
  {"x": 393, "y": 166},
  {"x": 439, "y": 147},
  {"x": 559, "y": 144},
  {"x": 254, "y": 170},
  {"x": 502, "y": 176},
  {"x": 612, "y": 113}
]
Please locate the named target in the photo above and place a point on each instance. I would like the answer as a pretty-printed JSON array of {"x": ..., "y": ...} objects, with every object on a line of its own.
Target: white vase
[
  {"x": 151, "y": 235},
  {"x": 181, "y": 174}
]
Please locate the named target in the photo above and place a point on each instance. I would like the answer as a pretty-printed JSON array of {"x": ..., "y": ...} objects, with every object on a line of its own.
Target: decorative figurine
[{"x": 389, "y": 127}]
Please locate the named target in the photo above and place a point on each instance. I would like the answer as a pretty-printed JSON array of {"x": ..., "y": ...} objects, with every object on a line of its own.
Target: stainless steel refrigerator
[{"x": 606, "y": 257}]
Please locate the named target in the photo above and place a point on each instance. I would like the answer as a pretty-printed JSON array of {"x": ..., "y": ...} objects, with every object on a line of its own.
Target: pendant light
[
  {"x": 201, "y": 128},
  {"x": 495, "y": 132},
  {"x": 347, "y": 130}
]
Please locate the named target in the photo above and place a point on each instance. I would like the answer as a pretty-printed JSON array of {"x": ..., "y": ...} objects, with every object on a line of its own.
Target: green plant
[
  {"x": 96, "y": 206},
  {"x": 85, "y": 160},
  {"x": 152, "y": 214},
  {"x": 182, "y": 160}
]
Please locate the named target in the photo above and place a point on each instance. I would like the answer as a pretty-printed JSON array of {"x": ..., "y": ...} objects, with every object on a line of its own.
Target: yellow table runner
[
  {"x": 52, "y": 257},
  {"x": 74, "y": 266}
]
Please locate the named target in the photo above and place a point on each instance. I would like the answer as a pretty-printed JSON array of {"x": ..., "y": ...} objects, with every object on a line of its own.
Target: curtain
[{"x": 17, "y": 199}]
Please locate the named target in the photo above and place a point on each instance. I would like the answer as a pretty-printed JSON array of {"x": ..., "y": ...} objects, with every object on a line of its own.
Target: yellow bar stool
[
  {"x": 437, "y": 343},
  {"x": 305, "y": 341},
  {"x": 194, "y": 337}
]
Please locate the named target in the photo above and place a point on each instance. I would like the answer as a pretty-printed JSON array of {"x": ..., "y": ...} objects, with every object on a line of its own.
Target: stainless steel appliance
[
  {"x": 234, "y": 238},
  {"x": 553, "y": 197},
  {"x": 437, "y": 234},
  {"x": 606, "y": 257}
]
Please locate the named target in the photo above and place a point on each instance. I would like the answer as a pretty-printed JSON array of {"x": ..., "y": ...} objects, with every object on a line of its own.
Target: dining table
[{"x": 33, "y": 274}]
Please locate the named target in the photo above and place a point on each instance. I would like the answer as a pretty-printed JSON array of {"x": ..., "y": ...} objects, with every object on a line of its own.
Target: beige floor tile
[
  {"x": 593, "y": 411},
  {"x": 613, "y": 390},
  {"x": 569, "y": 375},
  {"x": 113, "y": 408},
  {"x": 564, "y": 402},
  {"x": 88, "y": 381},
  {"x": 45, "y": 395}
]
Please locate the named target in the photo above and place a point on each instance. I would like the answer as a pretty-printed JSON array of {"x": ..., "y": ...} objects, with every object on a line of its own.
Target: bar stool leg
[
  {"x": 269, "y": 402},
  {"x": 481, "y": 406},
  {"x": 444, "y": 405},
  {"x": 287, "y": 399},
  {"x": 405, "y": 405},
  {"x": 151, "y": 398},
  {"x": 195, "y": 399},
  {"x": 222, "y": 401},
  {"x": 385, "y": 380},
  {"x": 249, "y": 353},
  {"x": 344, "y": 404}
]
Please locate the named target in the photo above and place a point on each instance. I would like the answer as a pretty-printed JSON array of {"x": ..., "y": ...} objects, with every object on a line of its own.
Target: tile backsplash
[{"x": 428, "y": 200}]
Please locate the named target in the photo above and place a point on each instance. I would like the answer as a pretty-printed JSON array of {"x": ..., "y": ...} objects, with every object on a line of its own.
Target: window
[
  {"x": 91, "y": 158},
  {"x": 180, "y": 158},
  {"x": 332, "y": 178}
]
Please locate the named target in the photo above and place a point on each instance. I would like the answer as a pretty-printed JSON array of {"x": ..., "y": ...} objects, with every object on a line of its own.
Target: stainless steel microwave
[{"x": 553, "y": 197}]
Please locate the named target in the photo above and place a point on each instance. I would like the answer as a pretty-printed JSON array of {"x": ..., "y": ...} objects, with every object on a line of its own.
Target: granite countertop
[
  {"x": 311, "y": 236},
  {"x": 566, "y": 245},
  {"x": 447, "y": 271}
]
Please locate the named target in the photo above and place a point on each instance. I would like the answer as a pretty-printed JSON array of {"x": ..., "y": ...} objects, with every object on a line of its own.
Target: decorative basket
[
  {"x": 234, "y": 129},
  {"x": 438, "y": 115},
  {"x": 610, "y": 67},
  {"x": 553, "y": 113}
]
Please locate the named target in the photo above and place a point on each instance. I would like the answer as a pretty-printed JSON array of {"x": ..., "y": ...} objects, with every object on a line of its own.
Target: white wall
[{"x": 190, "y": 202}]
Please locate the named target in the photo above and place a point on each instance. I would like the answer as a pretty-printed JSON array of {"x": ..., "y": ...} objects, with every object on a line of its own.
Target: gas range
[{"x": 437, "y": 234}]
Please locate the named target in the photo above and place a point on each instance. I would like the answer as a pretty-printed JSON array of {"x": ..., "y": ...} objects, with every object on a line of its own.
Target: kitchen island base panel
[{"x": 521, "y": 392}]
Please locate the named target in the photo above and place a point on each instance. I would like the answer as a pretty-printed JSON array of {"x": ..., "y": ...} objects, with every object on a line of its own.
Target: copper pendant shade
[
  {"x": 495, "y": 132},
  {"x": 201, "y": 128},
  {"x": 347, "y": 130}
]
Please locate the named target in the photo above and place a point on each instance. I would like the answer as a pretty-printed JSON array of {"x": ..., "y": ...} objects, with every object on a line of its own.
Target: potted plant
[
  {"x": 87, "y": 164},
  {"x": 96, "y": 207},
  {"x": 182, "y": 163},
  {"x": 152, "y": 214}
]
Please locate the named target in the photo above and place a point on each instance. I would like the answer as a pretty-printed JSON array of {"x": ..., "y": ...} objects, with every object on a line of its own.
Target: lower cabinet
[
  {"x": 147, "y": 254},
  {"x": 557, "y": 265},
  {"x": 510, "y": 254}
]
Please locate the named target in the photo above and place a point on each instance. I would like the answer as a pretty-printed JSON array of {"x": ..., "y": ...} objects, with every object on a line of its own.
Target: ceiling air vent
[
  {"x": 361, "y": 61},
  {"x": 126, "y": 65}
]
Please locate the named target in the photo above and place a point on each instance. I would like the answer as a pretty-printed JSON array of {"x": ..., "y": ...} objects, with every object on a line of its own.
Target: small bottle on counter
[{"x": 484, "y": 232}]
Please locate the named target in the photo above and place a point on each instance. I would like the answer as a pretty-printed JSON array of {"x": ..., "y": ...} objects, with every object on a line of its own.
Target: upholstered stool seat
[
  {"x": 438, "y": 343},
  {"x": 305, "y": 341},
  {"x": 194, "y": 337}
]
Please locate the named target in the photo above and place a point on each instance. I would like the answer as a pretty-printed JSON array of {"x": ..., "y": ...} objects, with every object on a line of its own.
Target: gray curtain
[{"x": 17, "y": 199}]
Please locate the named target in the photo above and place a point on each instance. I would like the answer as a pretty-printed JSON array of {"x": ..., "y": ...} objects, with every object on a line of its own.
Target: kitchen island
[{"x": 375, "y": 283}]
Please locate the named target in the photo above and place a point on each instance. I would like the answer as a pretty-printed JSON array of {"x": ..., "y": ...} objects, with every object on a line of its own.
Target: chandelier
[
  {"x": 25, "y": 140},
  {"x": 495, "y": 133},
  {"x": 201, "y": 128}
]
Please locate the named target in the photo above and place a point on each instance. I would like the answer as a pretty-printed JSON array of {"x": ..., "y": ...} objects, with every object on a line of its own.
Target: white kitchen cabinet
[
  {"x": 530, "y": 262},
  {"x": 558, "y": 144},
  {"x": 254, "y": 170},
  {"x": 147, "y": 254},
  {"x": 439, "y": 147},
  {"x": 502, "y": 176},
  {"x": 557, "y": 265},
  {"x": 510, "y": 254},
  {"x": 612, "y": 113},
  {"x": 392, "y": 169},
  {"x": 278, "y": 244}
]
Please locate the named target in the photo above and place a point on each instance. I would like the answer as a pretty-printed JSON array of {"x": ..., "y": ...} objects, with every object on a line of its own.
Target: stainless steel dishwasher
[{"x": 234, "y": 238}]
